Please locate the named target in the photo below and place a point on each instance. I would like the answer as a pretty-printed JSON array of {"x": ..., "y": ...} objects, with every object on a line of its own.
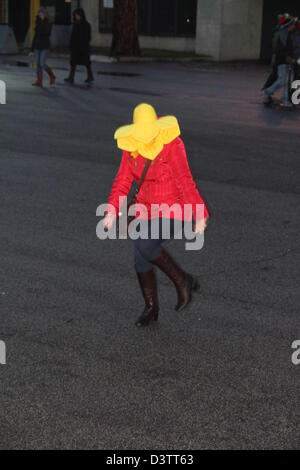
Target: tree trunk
[{"x": 125, "y": 30}]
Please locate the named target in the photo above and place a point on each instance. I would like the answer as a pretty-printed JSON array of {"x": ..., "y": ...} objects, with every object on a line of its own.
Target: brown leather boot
[
  {"x": 51, "y": 75},
  {"x": 149, "y": 290},
  {"x": 185, "y": 283},
  {"x": 39, "y": 81}
]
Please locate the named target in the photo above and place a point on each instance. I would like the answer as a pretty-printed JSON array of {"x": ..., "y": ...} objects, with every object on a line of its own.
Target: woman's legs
[
  {"x": 184, "y": 283},
  {"x": 272, "y": 78},
  {"x": 41, "y": 57},
  {"x": 148, "y": 286},
  {"x": 281, "y": 81},
  {"x": 155, "y": 232},
  {"x": 150, "y": 252},
  {"x": 48, "y": 70},
  {"x": 37, "y": 59},
  {"x": 143, "y": 253},
  {"x": 71, "y": 77},
  {"x": 288, "y": 91}
]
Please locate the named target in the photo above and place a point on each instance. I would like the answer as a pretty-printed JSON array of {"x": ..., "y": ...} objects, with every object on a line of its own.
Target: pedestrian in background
[
  {"x": 296, "y": 40},
  {"x": 154, "y": 153},
  {"x": 41, "y": 45},
  {"x": 274, "y": 73},
  {"x": 284, "y": 59},
  {"x": 80, "y": 46}
]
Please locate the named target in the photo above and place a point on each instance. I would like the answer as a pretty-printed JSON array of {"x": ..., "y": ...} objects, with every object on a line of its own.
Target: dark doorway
[
  {"x": 19, "y": 18},
  {"x": 272, "y": 8}
]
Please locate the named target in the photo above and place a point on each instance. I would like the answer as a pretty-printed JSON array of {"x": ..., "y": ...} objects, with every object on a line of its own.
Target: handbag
[{"x": 132, "y": 202}]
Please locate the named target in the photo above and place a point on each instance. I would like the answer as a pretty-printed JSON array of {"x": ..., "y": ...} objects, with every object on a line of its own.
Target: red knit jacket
[{"x": 169, "y": 181}]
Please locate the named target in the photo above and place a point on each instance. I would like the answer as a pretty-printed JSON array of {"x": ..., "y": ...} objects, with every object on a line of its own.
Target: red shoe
[
  {"x": 52, "y": 76},
  {"x": 39, "y": 81}
]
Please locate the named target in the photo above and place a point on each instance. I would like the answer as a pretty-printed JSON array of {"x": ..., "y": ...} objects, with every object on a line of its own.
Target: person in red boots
[
  {"x": 154, "y": 155},
  {"x": 41, "y": 45}
]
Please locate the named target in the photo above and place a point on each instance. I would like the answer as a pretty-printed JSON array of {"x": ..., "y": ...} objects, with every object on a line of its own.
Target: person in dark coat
[
  {"x": 296, "y": 40},
  {"x": 41, "y": 45},
  {"x": 80, "y": 45},
  {"x": 274, "y": 73}
]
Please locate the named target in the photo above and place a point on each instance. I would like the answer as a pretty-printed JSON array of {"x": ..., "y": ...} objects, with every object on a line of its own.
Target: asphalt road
[{"x": 78, "y": 373}]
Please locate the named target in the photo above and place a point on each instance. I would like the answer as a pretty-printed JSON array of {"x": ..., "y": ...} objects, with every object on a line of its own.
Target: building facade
[
  {"x": 218, "y": 29},
  {"x": 17, "y": 21}
]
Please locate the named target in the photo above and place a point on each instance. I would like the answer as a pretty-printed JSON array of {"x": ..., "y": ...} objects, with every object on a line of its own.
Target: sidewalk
[{"x": 23, "y": 59}]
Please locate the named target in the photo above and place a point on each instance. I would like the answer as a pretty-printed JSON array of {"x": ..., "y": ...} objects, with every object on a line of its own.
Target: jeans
[
  {"x": 282, "y": 81},
  {"x": 40, "y": 57},
  {"x": 147, "y": 250},
  {"x": 272, "y": 78}
]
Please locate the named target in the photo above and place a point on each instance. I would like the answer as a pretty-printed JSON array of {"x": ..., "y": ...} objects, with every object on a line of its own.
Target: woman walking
[
  {"x": 168, "y": 182},
  {"x": 41, "y": 45},
  {"x": 80, "y": 46}
]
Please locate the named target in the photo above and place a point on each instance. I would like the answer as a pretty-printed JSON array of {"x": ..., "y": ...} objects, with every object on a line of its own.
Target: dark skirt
[{"x": 80, "y": 58}]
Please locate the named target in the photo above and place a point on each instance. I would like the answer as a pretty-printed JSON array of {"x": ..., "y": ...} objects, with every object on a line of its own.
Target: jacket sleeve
[
  {"x": 122, "y": 183},
  {"x": 184, "y": 179}
]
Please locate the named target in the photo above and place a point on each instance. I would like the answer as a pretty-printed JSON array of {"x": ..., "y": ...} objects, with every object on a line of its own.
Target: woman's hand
[
  {"x": 201, "y": 226},
  {"x": 108, "y": 221}
]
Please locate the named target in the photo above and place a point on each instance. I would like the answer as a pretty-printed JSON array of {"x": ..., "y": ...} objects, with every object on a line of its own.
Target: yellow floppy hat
[{"x": 148, "y": 134}]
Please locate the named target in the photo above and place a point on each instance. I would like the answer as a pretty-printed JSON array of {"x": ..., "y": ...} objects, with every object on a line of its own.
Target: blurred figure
[
  {"x": 296, "y": 40},
  {"x": 41, "y": 45},
  {"x": 274, "y": 74},
  {"x": 284, "y": 58},
  {"x": 80, "y": 46}
]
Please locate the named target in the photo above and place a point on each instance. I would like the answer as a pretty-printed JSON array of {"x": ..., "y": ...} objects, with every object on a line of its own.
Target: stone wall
[
  {"x": 226, "y": 30},
  {"x": 8, "y": 43},
  {"x": 229, "y": 29},
  {"x": 91, "y": 8}
]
